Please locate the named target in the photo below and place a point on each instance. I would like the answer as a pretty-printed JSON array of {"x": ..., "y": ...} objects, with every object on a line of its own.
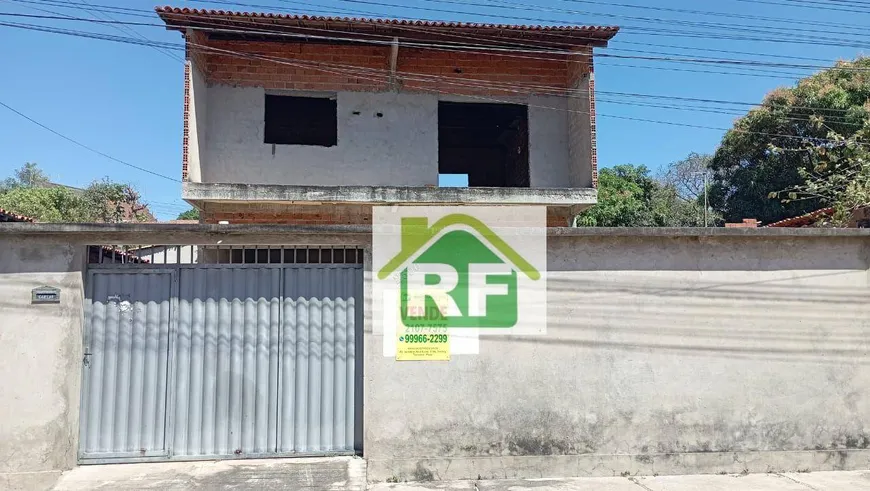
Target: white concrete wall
[
  {"x": 662, "y": 355},
  {"x": 398, "y": 149},
  {"x": 197, "y": 122},
  {"x": 549, "y": 159},
  {"x": 40, "y": 362}
]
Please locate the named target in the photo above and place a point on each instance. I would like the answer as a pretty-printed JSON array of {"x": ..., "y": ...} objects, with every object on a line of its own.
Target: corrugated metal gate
[{"x": 221, "y": 360}]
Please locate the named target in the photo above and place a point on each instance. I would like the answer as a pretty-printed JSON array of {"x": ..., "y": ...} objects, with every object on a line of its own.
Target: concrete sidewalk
[
  {"x": 814, "y": 481},
  {"x": 303, "y": 474},
  {"x": 349, "y": 473}
]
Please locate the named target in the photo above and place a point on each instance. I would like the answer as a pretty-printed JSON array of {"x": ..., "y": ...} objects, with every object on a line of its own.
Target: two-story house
[{"x": 309, "y": 119}]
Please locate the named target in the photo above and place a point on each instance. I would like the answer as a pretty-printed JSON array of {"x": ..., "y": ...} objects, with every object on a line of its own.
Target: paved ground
[
  {"x": 348, "y": 473},
  {"x": 303, "y": 474},
  {"x": 815, "y": 481}
]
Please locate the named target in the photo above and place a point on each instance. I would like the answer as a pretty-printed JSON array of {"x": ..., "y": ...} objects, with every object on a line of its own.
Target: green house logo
[{"x": 456, "y": 273}]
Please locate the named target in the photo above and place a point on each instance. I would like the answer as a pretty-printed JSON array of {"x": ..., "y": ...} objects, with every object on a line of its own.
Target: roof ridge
[{"x": 168, "y": 9}]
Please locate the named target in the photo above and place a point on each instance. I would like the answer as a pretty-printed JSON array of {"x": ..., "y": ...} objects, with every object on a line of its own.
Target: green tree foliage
[
  {"x": 54, "y": 204},
  {"x": 840, "y": 177},
  {"x": 782, "y": 143},
  {"x": 112, "y": 202},
  {"x": 191, "y": 214},
  {"x": 29, "y": 176},
  {"x": 629, "y": 197},
  {"x": 30, "y": 193}
]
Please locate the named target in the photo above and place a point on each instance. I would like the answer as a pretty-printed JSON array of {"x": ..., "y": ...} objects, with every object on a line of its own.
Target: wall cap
[{"x": 24, "y": 230}]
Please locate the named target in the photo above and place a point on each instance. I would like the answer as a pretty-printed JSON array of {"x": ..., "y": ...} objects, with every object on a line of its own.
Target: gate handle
[{"x": 86, "y": 360}]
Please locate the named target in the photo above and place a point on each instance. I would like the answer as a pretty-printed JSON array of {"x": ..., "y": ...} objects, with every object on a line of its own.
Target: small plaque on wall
[{"x": 45, "y": 294}]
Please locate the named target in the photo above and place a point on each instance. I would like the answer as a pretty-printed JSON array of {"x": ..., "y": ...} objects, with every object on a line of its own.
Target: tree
[
  {"x": 687, "y": 176},
  {"x": 629, "y": 197},
  {"x": 191, "y": 214},
  {"x": 30, "y": 194},
  {"x": 840, "y": 177},
  {"x": 29, "y": 175},
  {"x": 54, "y": 204},
  {"x": 773, "y": 147},
  {"x": 112, "y": 202}
]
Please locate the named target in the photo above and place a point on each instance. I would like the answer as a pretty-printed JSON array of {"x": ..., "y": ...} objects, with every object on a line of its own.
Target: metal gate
[
  {"x": 221, "y": 360},
  {"x": 126, "y": 360}
]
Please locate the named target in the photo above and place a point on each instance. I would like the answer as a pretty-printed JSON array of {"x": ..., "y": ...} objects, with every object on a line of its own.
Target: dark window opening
[
  {"x": 301, "y": 121},
  {"x": 488, "y": 142}
]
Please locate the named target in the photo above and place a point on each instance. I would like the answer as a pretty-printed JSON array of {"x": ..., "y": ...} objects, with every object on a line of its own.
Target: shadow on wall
[
  {"x": 17, "y": 257},
  {"x": 795, "y": 317},
  {"x": 706, "y": 253}
]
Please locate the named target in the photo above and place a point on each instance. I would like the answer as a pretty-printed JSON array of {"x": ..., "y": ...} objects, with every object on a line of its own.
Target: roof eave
[{"x": 359, "y": 27}]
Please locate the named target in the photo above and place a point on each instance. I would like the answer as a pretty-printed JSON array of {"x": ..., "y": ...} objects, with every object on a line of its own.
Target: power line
[
  {"x": 469, "y": 47},
  {"x": 503, "y": 4},
  {"x": 648, "y": 31},
  {"x": 465, "y": 37},
  {"x": 297, "y": 64},
  {"x": 112, "y": 38},
  {"x": 790, "y": 21},
  {"x": 76, "y": 142},
  {"x": 177, "y": 46},
  {"x": 128, "y": 30},
  {"x": 111, "y": 8},
  {"x": 814, "y": 5},
  {"x": 356, "y": 74},
  {"x": 729, "y": 27}
]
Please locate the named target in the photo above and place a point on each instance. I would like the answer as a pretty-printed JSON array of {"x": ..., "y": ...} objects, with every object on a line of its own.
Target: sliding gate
[{"x": 221, "y": 360}]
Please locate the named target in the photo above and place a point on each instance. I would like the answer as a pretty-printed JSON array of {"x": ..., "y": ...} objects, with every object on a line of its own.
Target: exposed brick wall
[
  {"x": 298, "y": 66},
  {"x": 185, "y": 135},
  {"x": 479, "y": 73},
  {"x": 323, "y": 214},
  {"x": 746, "y": 223},
  {"x": 593, "y": 133},
  {"x": 581, "y": 120},
  {"x": 303, "y": 66},
  {"x": 195, "y": 58},
  {"x": 194, "y": 53}
]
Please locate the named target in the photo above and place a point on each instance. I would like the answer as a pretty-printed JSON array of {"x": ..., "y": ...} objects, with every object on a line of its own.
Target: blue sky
[{"x": 126, "y": 100}]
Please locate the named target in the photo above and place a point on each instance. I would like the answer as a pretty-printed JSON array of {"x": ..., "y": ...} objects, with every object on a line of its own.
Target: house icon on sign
[{"x": 456, "y": 273}]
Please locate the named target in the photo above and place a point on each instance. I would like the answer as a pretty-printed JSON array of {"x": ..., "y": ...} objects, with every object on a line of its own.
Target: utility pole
[
  {"x": 706, "y": 205},
  {"x": 705, "y": 200}
]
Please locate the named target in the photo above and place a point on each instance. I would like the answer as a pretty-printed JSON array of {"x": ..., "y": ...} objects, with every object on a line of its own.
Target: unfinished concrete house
[{"x": 285, "y": 113}]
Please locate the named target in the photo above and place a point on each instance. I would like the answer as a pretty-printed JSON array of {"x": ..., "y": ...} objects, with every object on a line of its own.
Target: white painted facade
[{"x": 397, "y": 148}]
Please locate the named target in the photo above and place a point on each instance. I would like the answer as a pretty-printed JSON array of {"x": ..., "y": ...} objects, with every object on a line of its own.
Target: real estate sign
[{"x": 445, "y": 275}]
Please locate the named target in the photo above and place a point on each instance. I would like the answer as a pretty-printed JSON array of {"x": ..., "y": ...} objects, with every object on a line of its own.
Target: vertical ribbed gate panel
[
  {"x": 226, "y": 363},
  {"x": 318, "y": 359},
  {"x": 221, "y": 361},
  {"x": 125, "y": 364}
]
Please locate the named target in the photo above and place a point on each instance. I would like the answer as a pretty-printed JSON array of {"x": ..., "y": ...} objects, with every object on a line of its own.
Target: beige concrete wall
[
  {"x": 40, "y": 363},
  {"x": 662, "y": 355}
]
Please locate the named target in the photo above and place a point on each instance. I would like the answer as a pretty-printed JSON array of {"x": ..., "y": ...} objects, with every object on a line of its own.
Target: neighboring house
[
  {"x": 8, "y": 216},
  {"x": 860, "y": 219},
  {"x": 746, "y": 223},
  {"x": 281, "y": 110}
]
